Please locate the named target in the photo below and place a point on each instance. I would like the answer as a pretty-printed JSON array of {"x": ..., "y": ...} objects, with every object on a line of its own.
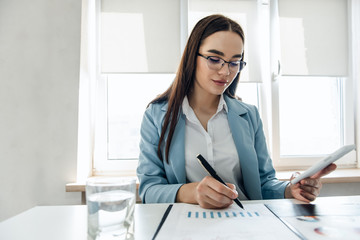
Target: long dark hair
[{"x": 185, "y": 76}]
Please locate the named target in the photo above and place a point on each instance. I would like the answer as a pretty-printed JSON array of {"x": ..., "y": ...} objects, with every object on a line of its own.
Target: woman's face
[{"x": 226, "y": 45}]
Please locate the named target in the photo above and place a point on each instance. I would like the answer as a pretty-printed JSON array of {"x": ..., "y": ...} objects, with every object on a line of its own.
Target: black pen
[{"x": 212, "y": 172}]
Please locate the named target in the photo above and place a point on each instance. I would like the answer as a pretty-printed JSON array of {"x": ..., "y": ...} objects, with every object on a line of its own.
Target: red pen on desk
[{"x": 212, "y": 172}]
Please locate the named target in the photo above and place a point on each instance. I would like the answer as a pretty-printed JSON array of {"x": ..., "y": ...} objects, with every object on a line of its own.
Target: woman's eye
[
  {"x": 234, "y": 64},
  {"x": 214, "y": 60}
]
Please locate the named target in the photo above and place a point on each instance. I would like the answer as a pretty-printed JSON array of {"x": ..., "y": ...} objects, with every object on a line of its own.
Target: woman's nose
[{"x": 224, "y": 70}]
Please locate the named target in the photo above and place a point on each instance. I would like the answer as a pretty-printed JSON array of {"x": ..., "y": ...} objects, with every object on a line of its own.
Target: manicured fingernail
[{"x": 235, "y": 194}]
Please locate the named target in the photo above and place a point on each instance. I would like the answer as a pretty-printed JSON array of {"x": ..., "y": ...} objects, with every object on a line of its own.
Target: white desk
[{"x": 70, "y": 222}]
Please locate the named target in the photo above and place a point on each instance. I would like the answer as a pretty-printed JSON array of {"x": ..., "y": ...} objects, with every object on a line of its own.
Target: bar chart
[{"x": 222, "y": 214}]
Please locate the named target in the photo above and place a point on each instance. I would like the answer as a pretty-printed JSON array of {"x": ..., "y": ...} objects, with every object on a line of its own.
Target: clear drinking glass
[{"x": 111, "y": 203}]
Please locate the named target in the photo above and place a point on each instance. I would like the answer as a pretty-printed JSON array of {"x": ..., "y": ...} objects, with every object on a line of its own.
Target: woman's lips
[{"x": 220, "y": 82}]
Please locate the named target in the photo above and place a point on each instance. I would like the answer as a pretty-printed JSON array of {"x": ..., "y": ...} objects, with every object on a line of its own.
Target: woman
[{"x": 200, "y": 113}]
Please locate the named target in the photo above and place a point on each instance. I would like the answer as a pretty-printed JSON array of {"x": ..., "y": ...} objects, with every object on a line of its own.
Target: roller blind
[
  {"x": 314, "y": 37},
  {"x": 139, "y": 36},
  {"x": 247, "y": 14}
]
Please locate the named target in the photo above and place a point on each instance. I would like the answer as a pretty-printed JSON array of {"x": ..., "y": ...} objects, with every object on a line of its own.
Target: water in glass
[{"x": 110, "y": 215}]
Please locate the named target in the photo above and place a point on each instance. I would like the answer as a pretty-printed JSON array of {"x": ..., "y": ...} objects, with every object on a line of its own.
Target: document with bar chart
[{"x": 188, "y": 222}]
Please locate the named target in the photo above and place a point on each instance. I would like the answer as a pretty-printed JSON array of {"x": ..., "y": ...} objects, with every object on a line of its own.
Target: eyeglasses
[{"x": 216, "y": 63}]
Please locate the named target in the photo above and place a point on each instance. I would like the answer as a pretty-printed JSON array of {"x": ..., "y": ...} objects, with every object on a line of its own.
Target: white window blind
[
  {"x": 314, "y": 37},
  {"x": 139, "y": 36}
]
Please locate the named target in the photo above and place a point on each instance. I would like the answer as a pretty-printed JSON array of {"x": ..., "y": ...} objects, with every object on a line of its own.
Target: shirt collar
[
  {"x": 222, "y": 104},
  {"x": 186, "y": 106}
]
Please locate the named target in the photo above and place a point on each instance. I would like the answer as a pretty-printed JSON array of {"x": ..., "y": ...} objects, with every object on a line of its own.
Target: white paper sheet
[
  {"x": 191, "y": 222},
  {"x": 327, "y": 227}
]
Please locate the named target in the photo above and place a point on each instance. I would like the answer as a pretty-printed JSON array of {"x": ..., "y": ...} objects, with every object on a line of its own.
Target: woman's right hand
[{"x": 208, "y": 193}]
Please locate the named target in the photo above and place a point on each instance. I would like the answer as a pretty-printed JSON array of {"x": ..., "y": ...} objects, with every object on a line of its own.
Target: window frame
[
  {"x": 100, "y": 164},
  {"x": 348, "y": 102},
  {"x": 269, "y": 111}
]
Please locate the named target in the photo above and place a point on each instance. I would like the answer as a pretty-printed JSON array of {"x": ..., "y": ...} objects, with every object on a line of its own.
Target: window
[
  {"x": 307, "y": 112},
  {"x": 133, "y": 69},
  {"x": 312, "y": 97}
]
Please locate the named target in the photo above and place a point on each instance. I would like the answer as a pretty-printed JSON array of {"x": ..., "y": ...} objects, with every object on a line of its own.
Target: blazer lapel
[
  {"x": 244, "y": 142},
  {"x": 177, "y": 150}
]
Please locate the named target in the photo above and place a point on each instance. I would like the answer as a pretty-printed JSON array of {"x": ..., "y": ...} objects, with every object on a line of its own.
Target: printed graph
[{"x": 222, "y": 214}]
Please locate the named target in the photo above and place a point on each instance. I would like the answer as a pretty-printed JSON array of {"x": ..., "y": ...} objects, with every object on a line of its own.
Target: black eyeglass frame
[{"x": 241, "y": 62}]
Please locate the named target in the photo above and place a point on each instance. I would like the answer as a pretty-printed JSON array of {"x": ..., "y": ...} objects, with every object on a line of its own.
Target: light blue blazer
[{"x": 160, "y": 181}]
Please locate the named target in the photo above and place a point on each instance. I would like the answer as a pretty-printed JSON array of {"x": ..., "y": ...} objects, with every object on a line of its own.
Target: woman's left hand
[{"x": 309, "y": 188}]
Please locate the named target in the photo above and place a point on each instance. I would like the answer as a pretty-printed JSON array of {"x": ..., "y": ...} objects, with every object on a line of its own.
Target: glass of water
[{"x": 110, "y": 202}]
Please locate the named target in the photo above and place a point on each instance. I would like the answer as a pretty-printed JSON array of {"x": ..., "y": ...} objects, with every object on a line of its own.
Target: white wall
[{"x": 39, "y": 78}]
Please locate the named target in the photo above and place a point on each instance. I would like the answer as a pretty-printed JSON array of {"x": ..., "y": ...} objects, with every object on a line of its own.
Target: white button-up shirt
[{"x": 216, "y": 145}]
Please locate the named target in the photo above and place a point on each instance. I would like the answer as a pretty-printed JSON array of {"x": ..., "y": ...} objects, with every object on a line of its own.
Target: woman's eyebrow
[
  {"x": 216, "y": 52},
  {"x": 222, "y": 54}
]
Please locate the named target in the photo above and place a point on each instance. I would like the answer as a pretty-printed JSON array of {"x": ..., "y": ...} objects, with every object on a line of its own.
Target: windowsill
[
  {"x": 80, "y": 187},
  {"x": 339, "y": 176}
]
